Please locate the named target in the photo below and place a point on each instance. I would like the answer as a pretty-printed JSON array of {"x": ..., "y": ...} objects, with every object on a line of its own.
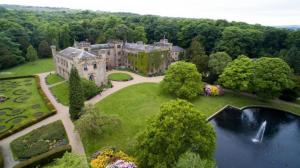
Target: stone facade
[
  {"x": 92, "y": 61},
  {"x": 89, "y": 66}
]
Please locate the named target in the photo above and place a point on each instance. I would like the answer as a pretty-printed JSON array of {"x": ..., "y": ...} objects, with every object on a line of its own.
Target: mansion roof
[{"x": 72, "y": 52}]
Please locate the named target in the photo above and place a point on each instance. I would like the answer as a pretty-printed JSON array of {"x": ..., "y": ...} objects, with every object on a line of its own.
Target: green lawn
[
  {"x": 119, "y": 77},
  {"x": 39, "y": 66},
  {"x": 135, "y": 104},
  {"x": 24, "y": 105},
  {"x": 53, "y": 78},
  {"x": 61, "y": 92}
]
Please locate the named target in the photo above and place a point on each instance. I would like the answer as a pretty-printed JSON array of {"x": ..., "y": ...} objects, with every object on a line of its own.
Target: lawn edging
[
  {"x": 45, "y": 157},
  {"x": 35, "y": 120},
  {"x": 246, "y": 107}
]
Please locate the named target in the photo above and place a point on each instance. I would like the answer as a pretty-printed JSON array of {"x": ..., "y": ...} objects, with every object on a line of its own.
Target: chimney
[{"x": 53, "y": 49}]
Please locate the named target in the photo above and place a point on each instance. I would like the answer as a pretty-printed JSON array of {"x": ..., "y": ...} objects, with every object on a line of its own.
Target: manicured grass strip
[
  {"x": 61, "y": 92},
  {"x": 119, "y": 77},
  {"x": 53, "y": 78},
  {"x": 39, "y": 141},
  {"x": 31, "y": 68},
  {"x": 135, "y": 104}
]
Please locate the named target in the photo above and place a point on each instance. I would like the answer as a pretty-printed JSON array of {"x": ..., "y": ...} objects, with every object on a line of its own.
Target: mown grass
[
  {"x": 119, "y": 77},
  {"x": 135, "y": 104},
  {"x": 53, "y": 78},
  {"x": 30, "y": 68},
  {"x": 61, "y": 92}
]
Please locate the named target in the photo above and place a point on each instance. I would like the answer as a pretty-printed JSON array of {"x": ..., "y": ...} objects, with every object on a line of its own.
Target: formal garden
[
  {"x": 23, "y": 104},
  {"x": 41, "y": 145},
  {"x": 119, "y": 77}
]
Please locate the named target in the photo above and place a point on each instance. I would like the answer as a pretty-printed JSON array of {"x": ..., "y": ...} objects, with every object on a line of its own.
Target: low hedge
[
  {"x": 34, "y": 120},
  {"x": 39, "y": 141},
  {"x": 44, "y": 158},
  {"x": 1, "y": 159}
]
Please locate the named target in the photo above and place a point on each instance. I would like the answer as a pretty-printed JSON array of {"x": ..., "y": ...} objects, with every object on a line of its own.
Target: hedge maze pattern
[{"x": 23, "y": 105}]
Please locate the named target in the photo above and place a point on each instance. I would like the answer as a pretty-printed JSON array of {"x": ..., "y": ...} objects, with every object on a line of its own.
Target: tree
[
  {"x": 31, "y": 54},
  {"x": 76, "y": 97},
  {"x": 293, "y": 59},
  {"x": 238, "y": 74},
  {"x": 69, "y": 160},
  {"x": 183, "y": 80},
  {"x": 178, "y": 128},
  {"x": 9, "y": 52},
  {"x": 218, "y": 62},
  {"x": 271, "y": 76},
  {"x": 197, "y": 56},
  {"x": 92, "y": 122},
  {"x": 193, "y": 160},
  {"x": 44, "y": 50}
]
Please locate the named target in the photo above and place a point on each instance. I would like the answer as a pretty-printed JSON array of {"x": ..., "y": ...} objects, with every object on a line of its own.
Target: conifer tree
[
  {"x": 31, "y": 54},
  {"x": 75, "y": 95}
]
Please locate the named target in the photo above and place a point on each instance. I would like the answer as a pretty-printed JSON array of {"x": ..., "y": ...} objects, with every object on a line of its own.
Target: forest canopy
[{"x": 21, "y": 27}]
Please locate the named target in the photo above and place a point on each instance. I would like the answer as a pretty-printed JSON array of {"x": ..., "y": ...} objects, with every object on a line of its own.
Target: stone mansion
[{"x": 92, "y": 61}]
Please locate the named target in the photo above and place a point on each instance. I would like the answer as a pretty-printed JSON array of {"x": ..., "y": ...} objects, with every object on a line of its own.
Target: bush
[
  {"x": 69, "y": 160},
  {"x": 92, "y": 122},
  {"x": 190, "y": 159},
  {"x": 1, "y": 159},
  {"x": 90, "y": 89},
  {"x": 39, "y": 141},
  {"x": 44, "y": 158},
  {"x": 289, "y": 95}
]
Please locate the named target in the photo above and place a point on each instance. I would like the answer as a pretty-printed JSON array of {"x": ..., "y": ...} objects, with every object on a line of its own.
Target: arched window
[
  {"x": 95, "y": 66},
  {"x": 85, "y": 67},
  {"x": 91, "y": 77}
]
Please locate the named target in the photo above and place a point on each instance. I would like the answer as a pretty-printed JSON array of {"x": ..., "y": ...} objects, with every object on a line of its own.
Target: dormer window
[
  {"x": 95, "y": 66},
  {"x": 85, "y": 67}
]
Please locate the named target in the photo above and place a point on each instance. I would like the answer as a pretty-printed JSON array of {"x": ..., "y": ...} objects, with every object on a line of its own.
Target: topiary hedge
[
  {"x": 1, "y": 159},
  {"x": 44, "y": 158},
  {"x": 39, "y": 141},
  {"x": 34, "y": 120}
]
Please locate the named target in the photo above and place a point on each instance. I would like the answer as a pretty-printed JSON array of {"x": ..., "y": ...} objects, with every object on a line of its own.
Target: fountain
[{"x": 260, "y": 134}]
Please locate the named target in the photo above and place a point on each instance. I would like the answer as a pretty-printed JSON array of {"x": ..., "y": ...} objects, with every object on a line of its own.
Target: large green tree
[
  {"x": 193, "y": 160},
  {"x": 76, "y": 97},
  {"x": 31, "y": 54},
  {"x": 183, "y": 80},
  {"x": 293, "y": 59},
  {"x": 178, "y": 128},
  {"x": 218, "y": 62},
  {"x": 197, "y": 56},
  {"x": 44, "y": 50},
  {"x": 271, "y": 76},
  {"x": 238, "y": 74}
]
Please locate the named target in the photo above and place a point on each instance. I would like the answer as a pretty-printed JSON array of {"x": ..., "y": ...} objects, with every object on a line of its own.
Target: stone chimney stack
[{"x": 53, "y": 49}]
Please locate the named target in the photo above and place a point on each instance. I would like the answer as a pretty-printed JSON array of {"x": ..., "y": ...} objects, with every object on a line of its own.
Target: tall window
[
  {"x": 91, "y": 77},
  {"x": 95, "y": 66},
  {"x": 85, "y": 67}
]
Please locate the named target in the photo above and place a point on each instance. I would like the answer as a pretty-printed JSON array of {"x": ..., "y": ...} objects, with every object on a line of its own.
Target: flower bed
[
  {"x": 109, "y": 158},
  {"x": 213, "y": 90}
]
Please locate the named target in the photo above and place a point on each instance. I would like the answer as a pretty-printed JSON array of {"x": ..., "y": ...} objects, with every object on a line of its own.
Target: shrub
[
  {"x": 69, "y": 160},
  {"x": 190, "y": 159},
  {"x": 289, "y": 95},
  {"x": 92, "y": 122},
  {"x": 109, "y": 158},
  {"x": 39, "y": 141},
  {"x": 90, "y": 89},
  {"x": 44, "y": 158}
]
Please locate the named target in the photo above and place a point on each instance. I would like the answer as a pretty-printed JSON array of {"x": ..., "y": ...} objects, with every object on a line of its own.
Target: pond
[{"x": 257, "y": 137}]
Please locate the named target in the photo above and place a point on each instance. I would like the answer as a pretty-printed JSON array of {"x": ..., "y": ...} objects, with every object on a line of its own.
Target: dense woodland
[{"x": 23, "y": 27}]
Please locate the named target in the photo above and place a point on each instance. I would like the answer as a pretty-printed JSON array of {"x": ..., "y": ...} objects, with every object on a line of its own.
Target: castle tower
[{"x": 53, "y": 49}]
